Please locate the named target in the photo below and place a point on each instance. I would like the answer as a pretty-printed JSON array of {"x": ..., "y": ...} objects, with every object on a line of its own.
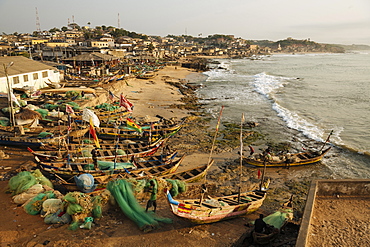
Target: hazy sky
[{"x": 323, "y": 21}]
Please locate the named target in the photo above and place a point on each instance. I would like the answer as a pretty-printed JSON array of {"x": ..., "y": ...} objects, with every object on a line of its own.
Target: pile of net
[
  {"x": 35, "y": 193},
  {"x": 124, "y": 193},
  {"x": 84, "y": 208},
  {"x": 107, "y": 107}
]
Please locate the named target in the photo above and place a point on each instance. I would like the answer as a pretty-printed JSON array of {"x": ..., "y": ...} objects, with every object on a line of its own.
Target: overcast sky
[{"x": 323, "y": 21}]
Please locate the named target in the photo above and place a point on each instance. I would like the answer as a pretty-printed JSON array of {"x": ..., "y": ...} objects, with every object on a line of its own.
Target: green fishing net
[
  {"x": 123, "y": 194},
  {"x": 21, "y": 182},
  {"x": 41, "y": 179},
  {"x": 45, "y": 134},
  {"x": 43, "y": 112},
  {"x": 178, "y": 186},
  {"x": 107, "y": 107},
  {"x": 34, "y": 206}
]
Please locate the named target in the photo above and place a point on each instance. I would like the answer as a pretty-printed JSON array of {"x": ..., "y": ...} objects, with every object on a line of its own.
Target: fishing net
[
  {"x": 45, "y": 134},
  {"x": 110, "y": 165},
  {"x": 59, "y": 217},
  {"x": 4, "y": 121},
  {"x": 50, "y": 107},
  {"x": 107, "y": 107},
  {"x": 41, "y": 179},
  {"x": 71, "y": 94},
  {"x": 78, "y": 202},
  {"x": 97, "y": 211},
  {"x": 28, "y": 194},
  {"x": 21, "y": 182},
  {"x": 34, "y": 206},
  {"x": 178, "y": 186},
  {"x": 51, "y": 206},
  {"x": 43, "y": 112},
  {"x": 123, "y": 194}
]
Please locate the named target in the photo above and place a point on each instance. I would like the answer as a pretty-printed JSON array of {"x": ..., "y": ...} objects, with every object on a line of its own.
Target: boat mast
[
  {"x": 214, "y": 138},
  {"x": 327, "y": 139},
  {"x": 241, "y": 156},
  {"x": 204, "y": 188}
]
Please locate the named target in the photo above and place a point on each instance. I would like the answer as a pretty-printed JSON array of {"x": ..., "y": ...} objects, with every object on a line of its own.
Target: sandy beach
[{"x": 150, "y": 98}]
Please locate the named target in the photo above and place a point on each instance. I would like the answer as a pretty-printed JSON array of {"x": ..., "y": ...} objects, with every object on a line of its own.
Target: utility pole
[
  {"x": 119, "y": 22},
  {"x": 10, "y": 94}
]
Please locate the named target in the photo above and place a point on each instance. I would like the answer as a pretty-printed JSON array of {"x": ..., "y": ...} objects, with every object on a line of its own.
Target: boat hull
[
  {"x": 201, "y": 214},
  {"x": 301, "y": 162}
]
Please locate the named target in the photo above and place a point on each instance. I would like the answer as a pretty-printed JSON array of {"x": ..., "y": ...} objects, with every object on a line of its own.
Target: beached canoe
[
  {"x": 123, "y": 168},
  {"x": 190, "y": 175},
  {"x": 145, "y": 168},
  {"x": 125, "y": 132},
  {"x": 287, "y": 160},
  {"x": 217, "y": 208},
  {"x": 107, "y": 151}
]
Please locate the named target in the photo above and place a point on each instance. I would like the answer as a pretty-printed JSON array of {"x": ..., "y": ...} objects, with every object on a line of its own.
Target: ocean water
[{"x": 300, "y": 99}]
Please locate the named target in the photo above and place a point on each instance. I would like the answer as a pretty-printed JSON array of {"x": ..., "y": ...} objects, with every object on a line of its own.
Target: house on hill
[{"x": 26, "y": 73}]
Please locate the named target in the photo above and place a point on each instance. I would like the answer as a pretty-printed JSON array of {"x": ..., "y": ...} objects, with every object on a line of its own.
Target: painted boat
[
  {"x": 125, "y": 132},
  {"x": 275, "y": 222},
  {"x": 190, "y": 175},
  {"x": 217, "y": 208},
  {"x": 297, "y": 159},
  {"x": 105, "y": 116},
  {"x": 146, "y": 75},
  {"x": 122, "y": 168},
  {"x": 107, "y": 151},
  {"x": 40, "y": 139}
]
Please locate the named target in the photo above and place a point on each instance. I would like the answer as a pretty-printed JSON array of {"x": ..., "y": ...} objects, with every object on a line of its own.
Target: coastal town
[{"x": 104, "y": 143}]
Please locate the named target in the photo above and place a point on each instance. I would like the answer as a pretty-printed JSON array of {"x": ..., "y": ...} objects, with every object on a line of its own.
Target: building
[{"x": 26, "y": 73}]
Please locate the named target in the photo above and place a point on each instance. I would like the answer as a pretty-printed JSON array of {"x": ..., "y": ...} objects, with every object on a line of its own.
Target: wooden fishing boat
[
  {"x": 44, "y": 139},
  {"x": 297, "y": 159},
  {"x": 113, "y": 134},
  {"x": 152, "y": 127},
  {"x": 217, "y": 208},
  {"x": 146, "y": 75},
  {"x": 275, "y": 222},
  {"x": 107, "y": 151},
  {"x": 190, "y": 175},
  {"x": 123, "y": 168},
  {"x": 105, "y": 116}
]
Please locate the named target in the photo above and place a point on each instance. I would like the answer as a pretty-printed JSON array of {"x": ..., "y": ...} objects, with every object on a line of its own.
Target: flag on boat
[
  {"x": 111, "y": 95},
  {"x": 69, "y": 123},
  {"x": 130, "y": 123},
  {"x": 93, "y": 133},
  {"x": 69, "y": 109},
  {"x": 88, "y": 114},
  {"x": 15, "y": 99},
  {"x": 125, "y": 103}
]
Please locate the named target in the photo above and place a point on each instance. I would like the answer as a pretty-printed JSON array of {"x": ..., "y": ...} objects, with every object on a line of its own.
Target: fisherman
[
  {"x": 153, "y": 189},
  {"x": 94, "y": 154},
  {"x": 251, "y": 151},
  {"x": 260, "y": 225}
]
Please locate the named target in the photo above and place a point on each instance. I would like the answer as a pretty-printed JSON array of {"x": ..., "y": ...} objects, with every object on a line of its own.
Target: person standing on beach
[
  {"x": 94, "y": 154},
  {"x": 153, "y": 189}
]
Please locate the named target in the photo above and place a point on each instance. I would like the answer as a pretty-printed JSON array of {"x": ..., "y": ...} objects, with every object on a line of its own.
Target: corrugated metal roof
[
  {"x": 96, "y": 56},
  {"x": 21, "y": 65}
]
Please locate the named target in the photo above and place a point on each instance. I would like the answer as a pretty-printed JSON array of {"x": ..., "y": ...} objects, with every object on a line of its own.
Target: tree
[
  {"x": 54, "y": 30},
  {"x": 64, "y": 29}
]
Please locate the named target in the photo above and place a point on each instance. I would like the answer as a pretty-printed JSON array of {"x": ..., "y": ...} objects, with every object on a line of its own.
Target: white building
[{"x": 26, "y": 73}]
